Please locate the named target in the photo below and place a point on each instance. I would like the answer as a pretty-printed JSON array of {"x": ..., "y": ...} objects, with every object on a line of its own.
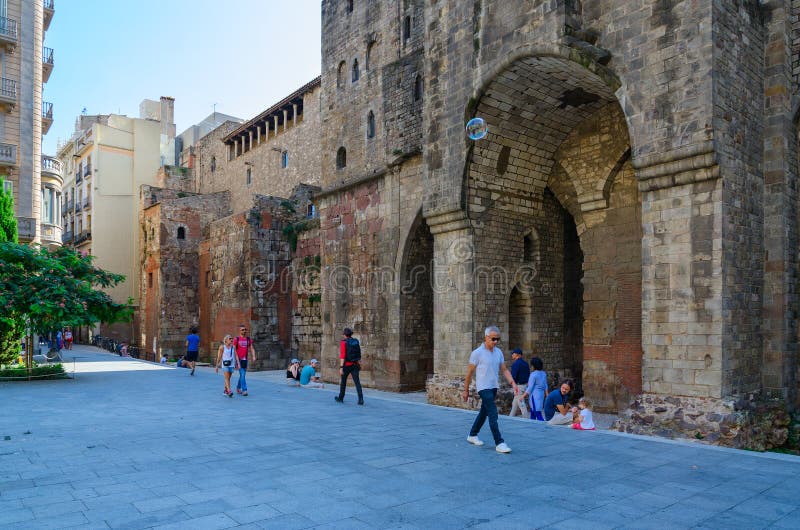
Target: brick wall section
[{"x": 171, "y": 305}]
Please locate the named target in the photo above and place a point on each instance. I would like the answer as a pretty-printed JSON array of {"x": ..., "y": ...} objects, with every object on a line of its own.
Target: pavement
[{"x": 131, "y": 444}]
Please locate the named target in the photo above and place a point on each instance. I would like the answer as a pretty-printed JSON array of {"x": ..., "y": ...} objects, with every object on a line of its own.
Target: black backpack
[{"x": 352, "y": 352}]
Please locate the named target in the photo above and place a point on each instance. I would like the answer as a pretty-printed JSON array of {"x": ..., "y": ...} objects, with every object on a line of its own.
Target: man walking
[
  {"x": 520, "y": 372},
  {"x": 486, "y": 362},
  {"x": 349, "y": 364},
  {"x": 245, "y": 352},
  {"x": 192, "y": 348}
]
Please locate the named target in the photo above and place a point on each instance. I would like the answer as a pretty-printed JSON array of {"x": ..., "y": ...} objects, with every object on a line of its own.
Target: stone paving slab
[{"x": 131, "y": 444}]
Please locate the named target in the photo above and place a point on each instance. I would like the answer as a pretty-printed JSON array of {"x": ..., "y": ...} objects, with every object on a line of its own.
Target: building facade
[
  {"x": 231, "y": 237},
  {"x": 106, "y": 161},
  {"x": 34, "y": 179},
  {"x": 630, "y": 218}
]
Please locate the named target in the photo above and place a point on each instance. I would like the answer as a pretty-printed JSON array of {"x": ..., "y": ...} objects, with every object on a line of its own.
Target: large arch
[
  {"x": 557, "y": 162},
  {"x": 416, "y": 307}
]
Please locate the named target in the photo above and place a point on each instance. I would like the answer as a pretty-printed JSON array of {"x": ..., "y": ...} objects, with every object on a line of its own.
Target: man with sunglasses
[
  {"x": 245, "y": 352},
  {"x": 486, "y": 362}
]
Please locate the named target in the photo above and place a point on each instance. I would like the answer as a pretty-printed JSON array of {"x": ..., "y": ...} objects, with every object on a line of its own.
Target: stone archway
[
  {"x": 557, "y": 160},
  {"x": 416, "y": 308}
]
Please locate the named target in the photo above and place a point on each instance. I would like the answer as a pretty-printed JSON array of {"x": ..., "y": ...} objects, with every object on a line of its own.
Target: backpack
[{"x": 352, "y": 352}]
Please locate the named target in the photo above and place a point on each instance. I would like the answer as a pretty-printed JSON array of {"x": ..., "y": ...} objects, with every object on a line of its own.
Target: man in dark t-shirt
[
  {"x": 556, "y": 405},
  {"x": 520, "y": 372}
]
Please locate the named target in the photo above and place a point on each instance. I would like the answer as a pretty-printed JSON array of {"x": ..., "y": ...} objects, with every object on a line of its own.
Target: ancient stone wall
[
  {"x": 306, "y": 293},
  {"x": 181, "y": 179},
  {"x": 171, "y": 231}
]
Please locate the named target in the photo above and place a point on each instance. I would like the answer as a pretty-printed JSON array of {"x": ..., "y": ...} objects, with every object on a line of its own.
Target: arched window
[
  {"x": 181, "y": 232},
  {"x": 370, "y": 125},
  {"x": 341, "y": 158},
  {"x": 284, "y": 159},
  {"x": 340, "y": 74},
  {"x": 356, "y": 72},
  {"x": 406, "y": 29},
  {"x": 349, "y": 6},
  {"x": 417, "y": 87},
  {"x": 213, "y": 164},
  {"x": 368, "y": 57}
]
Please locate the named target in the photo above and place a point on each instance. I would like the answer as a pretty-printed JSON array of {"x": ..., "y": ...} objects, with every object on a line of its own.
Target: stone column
[{"x": 453, "y": 300}]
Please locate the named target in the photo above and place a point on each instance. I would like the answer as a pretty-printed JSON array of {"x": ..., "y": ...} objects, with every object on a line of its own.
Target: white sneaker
[
  {"x": 474, "y": 440},
  {"x": 502, "y": 448}
]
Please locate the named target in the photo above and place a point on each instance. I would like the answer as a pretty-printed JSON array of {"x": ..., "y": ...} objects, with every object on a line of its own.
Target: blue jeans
[
  {"x": 241, "y": 384},
  {"x": 488, "y": 408}
]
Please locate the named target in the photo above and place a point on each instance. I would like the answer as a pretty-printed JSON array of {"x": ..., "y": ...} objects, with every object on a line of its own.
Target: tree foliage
[
  {"x": 49, "y": 289},
  {"x": 8, "y": 219}
]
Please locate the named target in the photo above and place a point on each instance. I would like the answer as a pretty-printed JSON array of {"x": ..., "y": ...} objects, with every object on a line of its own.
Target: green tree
[
  {"x": 49, "y": 289},
  {"x": 8, "y": 219}
]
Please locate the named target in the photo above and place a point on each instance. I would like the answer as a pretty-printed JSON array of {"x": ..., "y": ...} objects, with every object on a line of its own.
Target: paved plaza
[{"x": 130, "y": 444}]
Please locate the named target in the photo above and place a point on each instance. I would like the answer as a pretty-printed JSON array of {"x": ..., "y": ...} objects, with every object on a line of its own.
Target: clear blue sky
[{"x": 243, "y": 55}]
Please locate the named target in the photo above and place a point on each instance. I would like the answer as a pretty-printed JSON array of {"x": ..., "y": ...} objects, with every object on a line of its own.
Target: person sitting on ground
[
  {"x": 520, "y": 373},
  {"x": 163, "y": 358},
  {"x": 556, "y": 406},
  {"x": 293, "y": 373},
  {"x": 309, "y": 378},
  {"x": 582, "y": 417}
]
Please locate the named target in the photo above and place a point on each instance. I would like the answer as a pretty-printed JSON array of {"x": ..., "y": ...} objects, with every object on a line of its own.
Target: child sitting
[{"x": 582, "y": 416}]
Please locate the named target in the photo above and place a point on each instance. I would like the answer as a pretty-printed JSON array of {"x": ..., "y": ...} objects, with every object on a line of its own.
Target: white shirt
[
  {"x": 487, "y": 366},
  {"x": 586, "y": 419}
]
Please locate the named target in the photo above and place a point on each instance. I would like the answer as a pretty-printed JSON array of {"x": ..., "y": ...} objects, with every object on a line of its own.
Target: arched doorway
[
  {"x": 556, "y": 164},
  {"x": 416, "y": 308}
]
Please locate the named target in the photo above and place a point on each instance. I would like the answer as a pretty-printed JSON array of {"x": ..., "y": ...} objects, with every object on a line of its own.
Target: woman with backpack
[
  {"x": 226, "y": 356},
  {"x": 349, "y": 364}
]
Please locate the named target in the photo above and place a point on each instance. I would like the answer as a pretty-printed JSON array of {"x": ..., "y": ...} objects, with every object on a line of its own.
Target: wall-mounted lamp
[{"x": 248, "y": 163}]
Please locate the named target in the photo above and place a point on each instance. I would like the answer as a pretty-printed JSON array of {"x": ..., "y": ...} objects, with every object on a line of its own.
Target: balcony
[
  {"x": 47, "y": 63},
  {"x": 87, "y": 171},
  {"x": 82, "y": 237},
  {"x": 47, "y": 116},
  {"x": 50, "y": 234},
  {"x": 8, "y": 155},
  {"x": 8, "y": 93},
  {"x": 78, "y": 176},
  {"x": 68, "y": 206},
  {"x": 67, "y": 237},
  {"x": 78, "y": 206},
  {"x": 26, "y": 229},
  {"x": 49, "y": 11},
  {"x": 51, "y": 170},
  {"x": 8, "y": 33},
  {"x": 87, "y": 203}
]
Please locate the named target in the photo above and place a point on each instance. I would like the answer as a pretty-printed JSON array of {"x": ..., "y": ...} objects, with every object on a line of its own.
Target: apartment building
[
  {"x": 34, "y": 180},
  {"x": 106, "y": 161}
]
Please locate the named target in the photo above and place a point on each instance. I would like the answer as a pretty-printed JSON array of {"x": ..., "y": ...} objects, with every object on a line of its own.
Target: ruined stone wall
[
  {"x": 181, "y": 179},
  {"x": 301, "y": 141},
  {"x": 171, "y": 231},
  {"x": 306, "y": 293}
]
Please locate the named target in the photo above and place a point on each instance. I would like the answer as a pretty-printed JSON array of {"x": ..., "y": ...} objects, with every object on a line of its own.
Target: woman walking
[
  {"x": 537, "y": 389},
  {"x": 229, "y": 361}
]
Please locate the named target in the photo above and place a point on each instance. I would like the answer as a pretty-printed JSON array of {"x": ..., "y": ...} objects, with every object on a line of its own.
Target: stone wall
[
  {"x": 172, "y": 227},
  {"x": 307, "y": 298},
  {"x": 300, "y": 139}
]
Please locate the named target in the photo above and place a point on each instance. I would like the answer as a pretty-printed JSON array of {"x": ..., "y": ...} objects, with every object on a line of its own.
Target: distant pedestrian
[
  {"x": 59, "y": 340},
  {"x": 68, "y": 338},
  {"x": 536, "y": 391},
  {"x": 293, "y": 373},
  {"x": 486, "y": 363},
  {"x": 245, "y": 354},
  {"x": 309, "y": 378},
  {"x": 556, "y": 405},
  {"x": 520, "y": 373},
  {"x": 226, "y": 356},
  {"x": 163, "y": 359},
  {"x": 582, "y": 418},
  {"x": 192, "y": 348},
  {"x": 349, "y": 365}
]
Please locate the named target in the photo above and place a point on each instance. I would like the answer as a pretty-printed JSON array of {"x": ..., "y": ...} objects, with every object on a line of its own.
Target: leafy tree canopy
[
  {"x": 8, "y": 219},
  {"x": 54, "y": 288}
]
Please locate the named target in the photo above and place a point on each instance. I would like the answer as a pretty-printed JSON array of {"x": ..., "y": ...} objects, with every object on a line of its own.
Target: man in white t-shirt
[{"x": 486, "y": 362}]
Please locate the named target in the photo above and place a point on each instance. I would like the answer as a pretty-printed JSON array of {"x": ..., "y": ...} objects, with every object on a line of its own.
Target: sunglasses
[{"x": 495, "y": 339}]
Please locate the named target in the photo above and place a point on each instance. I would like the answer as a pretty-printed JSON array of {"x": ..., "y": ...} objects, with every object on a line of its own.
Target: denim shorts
[{"x": 228, "y": 369}]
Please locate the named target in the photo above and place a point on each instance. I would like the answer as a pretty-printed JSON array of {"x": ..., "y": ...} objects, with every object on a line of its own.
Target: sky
[{"x": 243, "y": 55}]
